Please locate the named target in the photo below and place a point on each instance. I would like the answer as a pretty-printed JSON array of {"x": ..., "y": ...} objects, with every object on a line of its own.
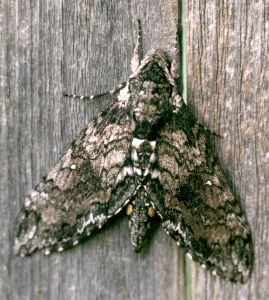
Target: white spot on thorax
[
  {"x": 152, "y": 158},
  {"x": 73, "y": 167},
  {"x": 155, "y": 174},
  {"x": 128, "y": 170},
  {"x": 146, "y": 172},
  {"x": 137, "y": 142},
  {"x": 152, "y": 145},
  {"x": 134, "y": 155},
  {"x": 208, "y": 182},
  {"x": 138, "y": 171}
]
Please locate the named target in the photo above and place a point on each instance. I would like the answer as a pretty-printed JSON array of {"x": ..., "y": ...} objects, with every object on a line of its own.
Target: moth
[{"x": 145, "y": 153}]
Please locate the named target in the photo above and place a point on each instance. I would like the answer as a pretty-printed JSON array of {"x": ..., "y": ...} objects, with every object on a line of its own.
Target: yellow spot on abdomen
[
  {"x": 151, "y": 211},
  {"x": 129, "y": 209}
]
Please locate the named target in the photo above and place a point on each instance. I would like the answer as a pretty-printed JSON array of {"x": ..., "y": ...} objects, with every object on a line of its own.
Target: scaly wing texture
[
  {"x": 79, "y": 194},
  {"x": 199, "y": 209}
]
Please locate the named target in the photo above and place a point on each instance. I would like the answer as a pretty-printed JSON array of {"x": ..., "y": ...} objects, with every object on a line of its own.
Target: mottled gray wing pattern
[
  {"x": 79, "y": 194},
  {"x": 198, "y": 207}
]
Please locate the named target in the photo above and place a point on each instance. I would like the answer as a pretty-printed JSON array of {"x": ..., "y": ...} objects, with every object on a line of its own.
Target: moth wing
[
  {"x": 199, "y": 209},
  {"x": 80, "y": 193}
]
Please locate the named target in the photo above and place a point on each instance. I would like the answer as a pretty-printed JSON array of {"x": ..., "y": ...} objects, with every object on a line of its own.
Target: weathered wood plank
[
  {"x": 228, "y": 86},
  {"x": 50, "y": 46},
  {"x": 84, "y": 47}
]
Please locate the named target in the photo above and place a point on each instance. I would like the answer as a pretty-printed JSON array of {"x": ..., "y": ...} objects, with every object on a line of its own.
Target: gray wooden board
[
  {"x": 83, "y": 47},
  {"x": 228, "y": 87}
]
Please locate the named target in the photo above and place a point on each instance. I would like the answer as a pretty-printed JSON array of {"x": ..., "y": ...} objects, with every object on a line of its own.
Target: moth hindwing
[{"x": 145, "y": 152}]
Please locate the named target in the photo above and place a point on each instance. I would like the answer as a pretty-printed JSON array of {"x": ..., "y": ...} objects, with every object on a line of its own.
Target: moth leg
[
  {"x": 91, "y": 97},
  {"x": 138, "y": 50}
]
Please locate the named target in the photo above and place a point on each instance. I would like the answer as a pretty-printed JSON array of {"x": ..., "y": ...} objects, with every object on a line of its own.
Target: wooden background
[{"x": 85, "y": 47}]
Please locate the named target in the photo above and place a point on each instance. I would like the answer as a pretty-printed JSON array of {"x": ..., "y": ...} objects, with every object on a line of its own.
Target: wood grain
[
  {"x": 85, "y": 47},
  {"x": 228, "y": 88}
]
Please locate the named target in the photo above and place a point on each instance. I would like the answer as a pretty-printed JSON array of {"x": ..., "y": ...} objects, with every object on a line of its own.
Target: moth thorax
[
  {"x": 144, "y": 153},
  {"x": 148, "y": 100}
]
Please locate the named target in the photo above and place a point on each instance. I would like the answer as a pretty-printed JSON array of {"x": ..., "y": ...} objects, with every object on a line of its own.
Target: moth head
[{"x": 150, "y": 91}]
